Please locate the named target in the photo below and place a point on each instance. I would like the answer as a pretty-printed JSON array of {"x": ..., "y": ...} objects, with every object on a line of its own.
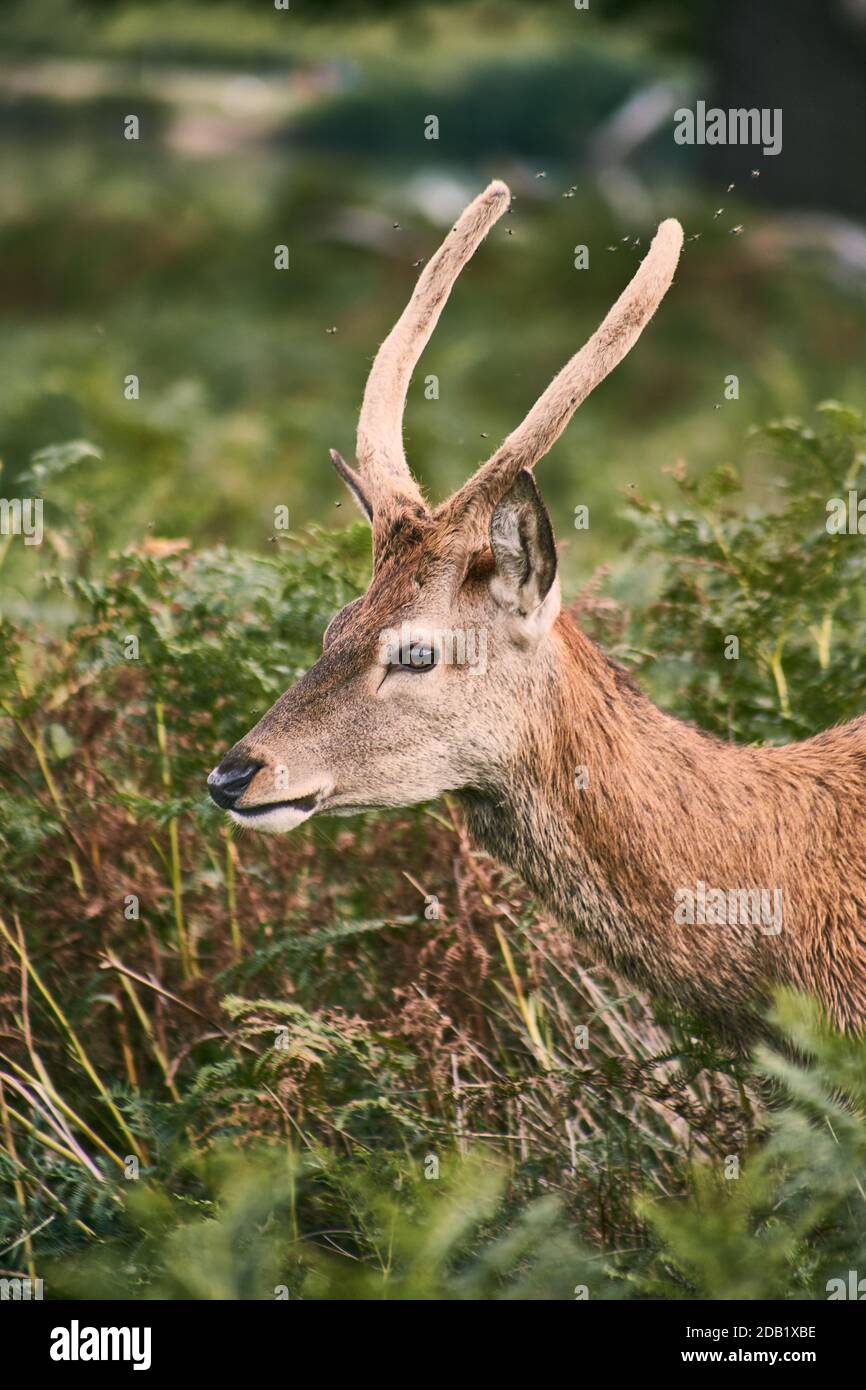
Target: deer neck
[{"x": 608, "y": 806}]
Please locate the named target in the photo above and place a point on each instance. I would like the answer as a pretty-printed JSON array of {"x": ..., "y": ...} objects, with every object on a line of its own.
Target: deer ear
[
  {"x": 353, "y": 483},
  {"x": 524, "y": 549}
]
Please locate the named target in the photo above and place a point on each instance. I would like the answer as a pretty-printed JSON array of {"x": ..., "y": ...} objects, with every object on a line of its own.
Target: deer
[{"x": 662, "y": 814}]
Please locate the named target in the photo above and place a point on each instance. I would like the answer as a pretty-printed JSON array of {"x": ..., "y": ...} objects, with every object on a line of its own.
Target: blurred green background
[{"x": 306, "y": 127}]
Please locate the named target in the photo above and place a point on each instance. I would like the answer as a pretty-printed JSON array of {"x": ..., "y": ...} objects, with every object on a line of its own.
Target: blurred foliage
[
  {"x": 261, "y": 128},
  {"x": 270, "y": 1223},
  {"x": 794, "y": 1218},
  {"x": 249, "y": 1232},
  {"x": 773, "y": 576}
]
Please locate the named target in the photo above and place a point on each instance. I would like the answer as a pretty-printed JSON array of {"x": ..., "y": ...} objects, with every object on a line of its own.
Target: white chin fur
[{"x": 272, "y": 822}]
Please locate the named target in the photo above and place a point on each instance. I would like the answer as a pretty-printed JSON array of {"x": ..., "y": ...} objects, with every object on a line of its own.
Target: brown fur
[{"x": 666, "y": 806}]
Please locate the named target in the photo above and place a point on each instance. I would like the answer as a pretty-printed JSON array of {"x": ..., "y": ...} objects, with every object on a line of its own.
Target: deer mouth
[
  {"x": 277, "y": 816},
  {"x": 305, "y": 804}
]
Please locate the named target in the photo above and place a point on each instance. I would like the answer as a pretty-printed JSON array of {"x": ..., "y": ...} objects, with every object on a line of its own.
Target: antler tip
[
  {"x": 671, "y": 230},
  {"x": 497, "y": 190}
]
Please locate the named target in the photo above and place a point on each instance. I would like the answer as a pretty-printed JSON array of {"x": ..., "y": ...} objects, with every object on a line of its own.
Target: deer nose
[{"x": 228, "y": 782}]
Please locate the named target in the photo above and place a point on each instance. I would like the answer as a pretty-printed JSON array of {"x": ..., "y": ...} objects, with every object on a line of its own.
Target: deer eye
[{"x": 417, "y": 657}]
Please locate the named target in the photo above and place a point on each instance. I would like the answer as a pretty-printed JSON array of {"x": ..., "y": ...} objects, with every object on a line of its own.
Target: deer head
[{"x": 428, "y": 682}]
